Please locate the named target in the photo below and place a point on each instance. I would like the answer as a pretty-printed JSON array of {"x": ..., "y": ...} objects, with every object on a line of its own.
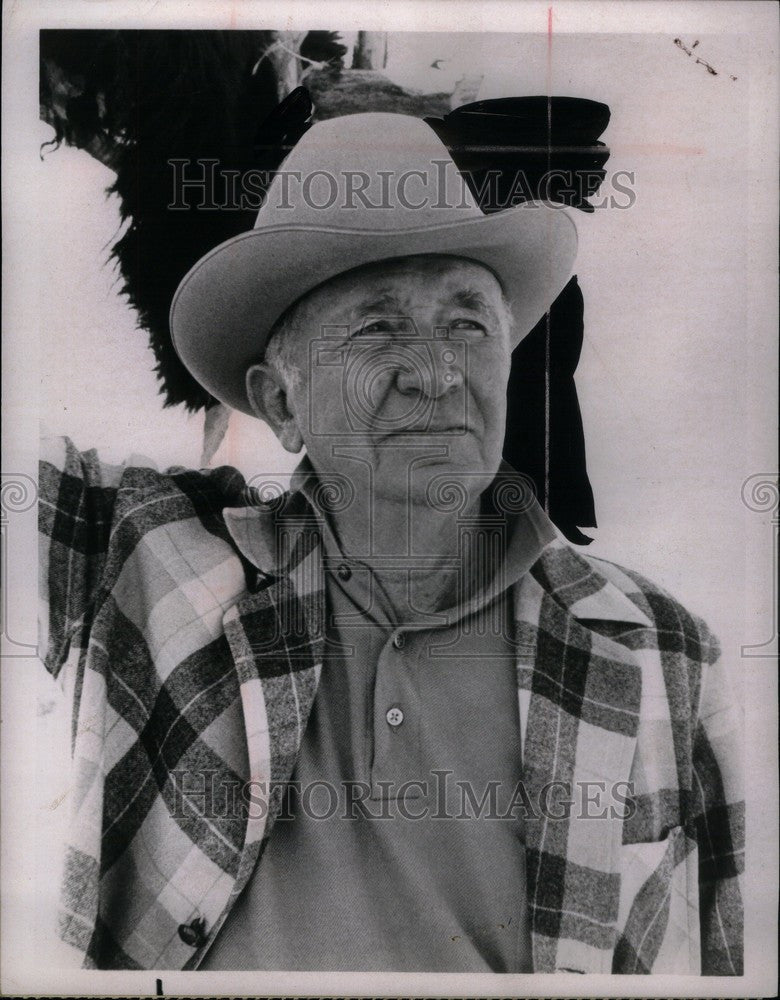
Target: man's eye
[
  {"x": 468, "y": 324},
  {"x": 381, "y": 326}
]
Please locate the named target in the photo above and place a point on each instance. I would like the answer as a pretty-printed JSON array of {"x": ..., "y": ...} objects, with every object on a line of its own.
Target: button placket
[
  {"x": 396, "y": 721},
  {"x": 395, "y": 716}
]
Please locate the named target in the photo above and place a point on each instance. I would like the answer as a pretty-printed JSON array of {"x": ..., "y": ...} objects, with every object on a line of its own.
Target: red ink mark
[{"x": 549, "y": 50}]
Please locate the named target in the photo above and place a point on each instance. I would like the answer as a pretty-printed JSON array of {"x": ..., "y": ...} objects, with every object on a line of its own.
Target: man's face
[{"x": 404, "y": 365}]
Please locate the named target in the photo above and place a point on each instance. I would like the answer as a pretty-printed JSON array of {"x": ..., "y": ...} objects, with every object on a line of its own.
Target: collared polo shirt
[{"x": 398, "y": 847}]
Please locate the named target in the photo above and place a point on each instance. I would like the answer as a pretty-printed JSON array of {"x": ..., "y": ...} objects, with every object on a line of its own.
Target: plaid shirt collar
[{"x": 276, "y": 535}]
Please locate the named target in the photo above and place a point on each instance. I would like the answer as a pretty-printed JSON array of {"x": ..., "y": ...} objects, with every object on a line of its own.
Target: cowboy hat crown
[{"x": 357, "y": 190}]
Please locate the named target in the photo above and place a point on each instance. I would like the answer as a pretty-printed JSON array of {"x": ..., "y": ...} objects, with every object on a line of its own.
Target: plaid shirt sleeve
[
  {"x": 76, "y": 499},
  {"x": 717, "y": 815}
]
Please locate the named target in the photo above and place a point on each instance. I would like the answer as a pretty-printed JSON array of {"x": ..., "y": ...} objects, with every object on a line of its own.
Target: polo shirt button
[
  {"x": 398, "y": 640},
  {"x": 394, "y": 716},
  {"x": 344, "y": 572}
]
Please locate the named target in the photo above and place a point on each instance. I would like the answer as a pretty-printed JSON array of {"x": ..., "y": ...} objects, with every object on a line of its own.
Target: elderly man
[{"x": 386, "y": 720}]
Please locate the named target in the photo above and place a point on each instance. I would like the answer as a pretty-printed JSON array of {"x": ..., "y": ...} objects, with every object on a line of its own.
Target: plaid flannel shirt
[{"x": 182, "y": 660}]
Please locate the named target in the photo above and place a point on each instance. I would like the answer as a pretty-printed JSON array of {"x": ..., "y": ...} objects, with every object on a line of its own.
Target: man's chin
[
  {"x": 428, "y": 478},
  {"x": 408, "y": 462}
]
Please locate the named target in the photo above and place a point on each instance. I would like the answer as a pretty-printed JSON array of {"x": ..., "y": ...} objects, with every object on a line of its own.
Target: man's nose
[{"x": 418, "y": 375}]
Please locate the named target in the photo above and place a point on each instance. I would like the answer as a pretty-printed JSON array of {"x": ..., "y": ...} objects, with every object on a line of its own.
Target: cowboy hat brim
[{"x": 228, "y": 303}]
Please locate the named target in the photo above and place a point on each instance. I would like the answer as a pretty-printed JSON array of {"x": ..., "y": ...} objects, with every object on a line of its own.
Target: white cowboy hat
[{"x": 356, "y": 190}]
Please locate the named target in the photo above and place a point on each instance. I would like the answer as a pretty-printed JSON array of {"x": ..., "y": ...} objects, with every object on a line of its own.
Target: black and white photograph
[{"x": 389, "y": 500}]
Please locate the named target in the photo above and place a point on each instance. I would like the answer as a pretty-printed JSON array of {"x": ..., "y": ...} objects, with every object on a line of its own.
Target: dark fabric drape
[{"x": 565, "y": 489}]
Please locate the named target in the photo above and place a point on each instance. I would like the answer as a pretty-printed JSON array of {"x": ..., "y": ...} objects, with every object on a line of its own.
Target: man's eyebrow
[
  {"x": 383, "y": 303},
  {"x": 473, "y": 299}
]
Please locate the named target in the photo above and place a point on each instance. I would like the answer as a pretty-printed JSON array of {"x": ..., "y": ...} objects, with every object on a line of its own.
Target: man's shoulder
[
  {"x": 601, "y": 590},
  {"x": 138, "y": 483},
  {"x": 677, "y": 627},
  {"x": 98, "y": 508},
  {"x": 204, "y": 490}
]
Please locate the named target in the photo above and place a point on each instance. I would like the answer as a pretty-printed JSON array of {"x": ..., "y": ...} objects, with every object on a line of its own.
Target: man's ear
[{"x": 267, "y": 395}]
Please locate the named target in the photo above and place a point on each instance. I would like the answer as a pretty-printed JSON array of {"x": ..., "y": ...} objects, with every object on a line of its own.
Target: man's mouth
[{"x": 426, "y": 431}]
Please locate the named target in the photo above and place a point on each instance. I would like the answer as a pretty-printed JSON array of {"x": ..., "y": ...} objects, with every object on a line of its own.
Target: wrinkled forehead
[{"x": 406, "y": 282}]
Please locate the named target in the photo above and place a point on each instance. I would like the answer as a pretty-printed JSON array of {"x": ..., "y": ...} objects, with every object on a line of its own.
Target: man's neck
[
  {"x": 414, "y": 551},
  {"x": 413, "y": 544}
]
